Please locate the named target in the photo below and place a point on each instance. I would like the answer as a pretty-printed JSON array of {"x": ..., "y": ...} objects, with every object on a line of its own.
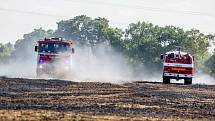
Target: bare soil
[{"x": 40, "y": 99}]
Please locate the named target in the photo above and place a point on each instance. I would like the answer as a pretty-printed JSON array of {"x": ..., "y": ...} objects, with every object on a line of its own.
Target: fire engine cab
[
  {"x": 54, "y": 56},
  {"x": 178, "y": 65}
]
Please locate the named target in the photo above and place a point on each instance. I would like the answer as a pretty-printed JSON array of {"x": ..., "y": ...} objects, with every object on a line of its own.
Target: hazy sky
[{"x": 19, "y": 17}]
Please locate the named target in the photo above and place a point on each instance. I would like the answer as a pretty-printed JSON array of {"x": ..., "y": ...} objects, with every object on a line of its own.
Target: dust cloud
[
  {"x": 100, "y": 63},
  {"x": 202, "y": 78},
  {"x": 19, "y": 68}
]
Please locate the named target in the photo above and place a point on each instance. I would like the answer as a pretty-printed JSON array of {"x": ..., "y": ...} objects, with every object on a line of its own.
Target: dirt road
[{"x": 38, "y": 99}]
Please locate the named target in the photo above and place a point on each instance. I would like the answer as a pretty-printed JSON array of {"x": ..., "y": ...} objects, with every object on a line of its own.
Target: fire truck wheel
[
  {"x": 166, "y": 80},
  {"x": 188, "y": 81}
]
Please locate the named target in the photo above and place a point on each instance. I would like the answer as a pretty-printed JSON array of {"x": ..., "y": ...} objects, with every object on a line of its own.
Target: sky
[{"x": 18, "y": 17}]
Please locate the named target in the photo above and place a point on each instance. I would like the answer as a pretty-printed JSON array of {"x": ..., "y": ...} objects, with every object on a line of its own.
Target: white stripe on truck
[
  {"x": 178, "y": 75},
  {"x": 178, "y": 65}
]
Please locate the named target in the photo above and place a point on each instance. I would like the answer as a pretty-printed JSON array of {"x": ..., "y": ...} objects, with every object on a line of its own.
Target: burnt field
[{"x": 38, "y": 99}]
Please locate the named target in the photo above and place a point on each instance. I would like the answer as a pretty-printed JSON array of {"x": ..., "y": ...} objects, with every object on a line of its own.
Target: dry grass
[{"x": 27, "y": 99}]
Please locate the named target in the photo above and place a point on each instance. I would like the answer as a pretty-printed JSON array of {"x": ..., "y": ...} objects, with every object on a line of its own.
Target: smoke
[
  {"x": 22, "y": 61},
  {"x": 19, "y": 68},
  {"x": 202, "y": 78},
  {"x": 100, "y": 63}
]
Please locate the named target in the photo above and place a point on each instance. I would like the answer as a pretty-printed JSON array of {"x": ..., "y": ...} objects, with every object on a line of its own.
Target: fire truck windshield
[
  {"x": 183, "y": 59},
  {"x": 54, "y": 47}
]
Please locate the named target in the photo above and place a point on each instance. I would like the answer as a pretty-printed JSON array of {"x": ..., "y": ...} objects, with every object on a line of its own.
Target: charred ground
[{"x": 39, "y": 99}]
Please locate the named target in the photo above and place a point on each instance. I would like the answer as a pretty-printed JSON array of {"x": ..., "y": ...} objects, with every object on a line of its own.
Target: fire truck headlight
[
  {"x": 40, "y": 66},
  {"x": 67, "y": 62}
]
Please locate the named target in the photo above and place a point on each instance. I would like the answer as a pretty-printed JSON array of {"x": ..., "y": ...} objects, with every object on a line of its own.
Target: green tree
[
  {"x": 144, "y": 43},
  {"x": 141, "y": 44},
  {"x": 84, "y": 30},
  {"x": 210, "y": 63},
  {"x": 115, "y": 35},
  {"x": 5, "y": 52},
  {"x": 24, "y": 48}
]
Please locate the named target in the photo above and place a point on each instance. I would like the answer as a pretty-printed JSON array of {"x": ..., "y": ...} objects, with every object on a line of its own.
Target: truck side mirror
[
  {"x": 161, "y": 57},
  {"x": 73, "y": 50},
  {"x": 36, "y": 48}
]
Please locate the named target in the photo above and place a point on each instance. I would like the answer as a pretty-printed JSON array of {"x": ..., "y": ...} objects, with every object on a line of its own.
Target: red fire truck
[
  {"x": 178, "y": 65},
  {"x": 54, "y": 56}
]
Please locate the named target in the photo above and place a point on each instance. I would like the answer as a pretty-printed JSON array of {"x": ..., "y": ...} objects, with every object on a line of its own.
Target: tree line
[{"x": 141, "y": 43}]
